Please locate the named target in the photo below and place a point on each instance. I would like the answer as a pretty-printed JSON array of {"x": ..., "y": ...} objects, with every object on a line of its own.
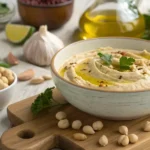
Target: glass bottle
[{"x": 112, "y": 18}]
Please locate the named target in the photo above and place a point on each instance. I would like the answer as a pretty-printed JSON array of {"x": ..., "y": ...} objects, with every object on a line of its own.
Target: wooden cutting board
[{"x": 41, "y": 132}]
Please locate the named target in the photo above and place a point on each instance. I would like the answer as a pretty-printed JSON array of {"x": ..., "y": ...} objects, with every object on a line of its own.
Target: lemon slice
[{"x": 18, "y": 34}]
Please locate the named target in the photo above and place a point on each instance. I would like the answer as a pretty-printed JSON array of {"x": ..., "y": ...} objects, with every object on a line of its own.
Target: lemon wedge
[{"x": 18, "y": 34}]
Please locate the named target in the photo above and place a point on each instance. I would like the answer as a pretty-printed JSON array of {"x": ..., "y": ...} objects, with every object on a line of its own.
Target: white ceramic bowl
[
  {"x": 110, "y": 105},
  {"x": 7, "y": 93}
]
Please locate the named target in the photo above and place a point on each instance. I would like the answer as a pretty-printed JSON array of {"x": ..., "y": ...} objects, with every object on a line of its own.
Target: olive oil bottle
[{"x": 112, "y": 18}]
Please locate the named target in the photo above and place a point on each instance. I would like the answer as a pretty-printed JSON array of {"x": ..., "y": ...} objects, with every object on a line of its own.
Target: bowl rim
[
  {"x": 92, "y": 89},
  {"x": 50, "y": 6},
  {"x": 10, "y": 86}
]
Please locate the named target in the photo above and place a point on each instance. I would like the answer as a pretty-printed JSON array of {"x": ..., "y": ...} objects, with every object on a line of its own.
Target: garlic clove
[
  {"x": 37, "y": 80},
  {"x": 41, "y": 47},
  {"x": 47, "y": 77},
  {"x": 12, "y": 60},
  {"x": 26, "y": 75}
]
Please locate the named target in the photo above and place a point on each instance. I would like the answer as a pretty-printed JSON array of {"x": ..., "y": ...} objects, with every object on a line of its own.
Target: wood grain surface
[{"x": 41, "y": 132}]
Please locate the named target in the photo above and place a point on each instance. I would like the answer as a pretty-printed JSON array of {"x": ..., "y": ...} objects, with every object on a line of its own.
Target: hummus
[{"x": 90, "y": 70}]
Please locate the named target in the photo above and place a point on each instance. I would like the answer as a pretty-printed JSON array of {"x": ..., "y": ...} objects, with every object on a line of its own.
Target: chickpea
[
  {"x": 79, "y": 136},
  {"x": 88, "y": 130},
  {"x": 103, "y": 141},
  {"x": 123, "y": 140},
  {"x": 10, "y": 79},
  {"x": 4, "y": 79},
  {"x": 123, "y": 130},
  {"x": 97, "y": 126},
  {"x": 146, "y": 127},
  {"x": 7, "y": 73},
  {"x": 61, "y": 115},
  {"x": 63, "y": 124},
  {"x": 133, "y": 138},
  {"x": 76, "y": 124},
  {"x": 3, "y": 85},
  {"x": 2, "y": 69}
]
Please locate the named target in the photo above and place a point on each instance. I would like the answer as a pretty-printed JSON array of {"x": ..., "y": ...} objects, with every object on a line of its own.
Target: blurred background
[{"x": 83, "y": 19}]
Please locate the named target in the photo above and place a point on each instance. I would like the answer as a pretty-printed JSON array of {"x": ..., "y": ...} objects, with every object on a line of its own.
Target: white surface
[
  {"x": 97, "y": 102},
  {"x": 23, "y": 89}
]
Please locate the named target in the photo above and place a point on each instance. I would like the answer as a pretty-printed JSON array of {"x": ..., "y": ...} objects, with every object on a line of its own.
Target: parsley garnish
[
  {"x": 5, "y": 65},
  {"x": 125, "y": 63},
  {"x": 106, "y": 58},
  {"x": 44, "y": 100}
]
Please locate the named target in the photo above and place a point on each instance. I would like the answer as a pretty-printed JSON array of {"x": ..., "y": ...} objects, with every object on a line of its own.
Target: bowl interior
[{"x": 83, "y": 46}]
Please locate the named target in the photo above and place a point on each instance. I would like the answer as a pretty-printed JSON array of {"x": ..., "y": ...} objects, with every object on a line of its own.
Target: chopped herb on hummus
[
  {"x": 125, "y": 63},
  {"x": 106, "y": 58}
]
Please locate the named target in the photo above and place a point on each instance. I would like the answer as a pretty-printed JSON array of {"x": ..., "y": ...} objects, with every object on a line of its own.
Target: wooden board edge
[{"x": 11, "y": 110}]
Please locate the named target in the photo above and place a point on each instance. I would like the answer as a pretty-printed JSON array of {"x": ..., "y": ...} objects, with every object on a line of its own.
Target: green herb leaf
[
  {"x": 147, "y": 21},
  {"x": 125, "y": 63},
  {"x": 5, "y": 65},
  {"x": 4, "y": 8},
  {"x": 106, "y": 58},
  {"x": 44, "y": 100},
  {"x": 146, "y": 34}
]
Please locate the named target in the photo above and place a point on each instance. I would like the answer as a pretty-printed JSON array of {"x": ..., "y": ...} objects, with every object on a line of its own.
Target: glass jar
[{"x": 112, "y": 18}]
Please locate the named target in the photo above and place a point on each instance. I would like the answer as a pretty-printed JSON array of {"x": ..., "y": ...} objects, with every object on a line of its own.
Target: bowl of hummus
[{"x": 106, "y": 77}]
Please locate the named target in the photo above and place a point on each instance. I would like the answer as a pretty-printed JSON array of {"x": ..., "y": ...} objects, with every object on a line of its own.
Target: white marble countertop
[{"x": 23, "y": 89}]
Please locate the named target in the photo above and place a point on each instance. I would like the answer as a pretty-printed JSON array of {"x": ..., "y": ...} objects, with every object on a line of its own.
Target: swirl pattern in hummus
[{"x": 89, "y": 70}]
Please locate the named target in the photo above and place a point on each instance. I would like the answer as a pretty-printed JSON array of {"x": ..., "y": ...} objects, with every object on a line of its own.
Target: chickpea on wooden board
[
  {"x": 79, "y": 136},
  {"x": 123, "y": 130},
  {"x": 61, "y": 115},
  {"x": 88, "y": 130},
  {"x": 63, "y": 124},
  {"x": 103, "y": 141},
  {"x": 146, "y": 127},
  {"x": 123, "y": 140},
  {"x": 76, "y": 124}
]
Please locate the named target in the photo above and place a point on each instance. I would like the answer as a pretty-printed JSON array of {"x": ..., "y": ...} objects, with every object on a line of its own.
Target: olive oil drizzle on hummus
[{"x": 83, "y": 71}]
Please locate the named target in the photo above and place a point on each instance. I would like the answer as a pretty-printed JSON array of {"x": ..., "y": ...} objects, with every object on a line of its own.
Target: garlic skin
[{"x": 41, "y": 47}]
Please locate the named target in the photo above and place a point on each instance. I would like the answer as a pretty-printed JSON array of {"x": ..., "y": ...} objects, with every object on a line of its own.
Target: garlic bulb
[{"x": 41, "y": 47}]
